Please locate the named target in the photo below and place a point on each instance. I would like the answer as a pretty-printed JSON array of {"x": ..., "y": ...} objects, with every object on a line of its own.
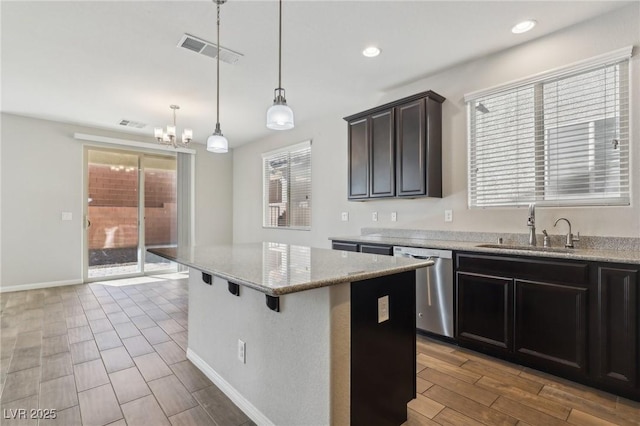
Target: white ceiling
[{"x": 96, "y": 63}]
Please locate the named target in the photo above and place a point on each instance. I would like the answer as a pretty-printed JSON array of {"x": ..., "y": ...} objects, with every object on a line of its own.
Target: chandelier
[{"x": 168, "y": 136}]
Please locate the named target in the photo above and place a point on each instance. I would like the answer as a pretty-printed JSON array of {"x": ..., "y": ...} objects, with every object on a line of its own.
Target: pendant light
[
  {"x": 217, "y": 142},
  {"x": 280, "y": 115}
]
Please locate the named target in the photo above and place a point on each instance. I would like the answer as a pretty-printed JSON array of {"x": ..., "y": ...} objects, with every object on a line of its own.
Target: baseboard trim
[
  {"x": 247, "y": 407},
  {"x": 36, "y": 286}
]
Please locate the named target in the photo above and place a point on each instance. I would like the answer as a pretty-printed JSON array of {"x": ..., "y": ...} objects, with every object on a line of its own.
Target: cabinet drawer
[
  {"x": 375, "y": 249},
  {"x": 559, "y": 271},
  {"x": 341, "y": 245}
]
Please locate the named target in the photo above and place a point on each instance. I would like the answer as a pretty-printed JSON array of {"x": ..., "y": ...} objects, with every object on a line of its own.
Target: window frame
[
  {"x": 537, "y": 82},
  {"x": 287, "y": 150}
]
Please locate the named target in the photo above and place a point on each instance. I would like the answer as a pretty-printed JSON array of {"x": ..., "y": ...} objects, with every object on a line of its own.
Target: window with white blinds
[
  {"x": 560, "y": 138},
  {"x": 287, "y": 187}
]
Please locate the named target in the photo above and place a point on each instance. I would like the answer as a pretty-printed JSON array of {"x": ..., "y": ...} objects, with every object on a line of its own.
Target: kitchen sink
[{"x": 527, "y": 248}]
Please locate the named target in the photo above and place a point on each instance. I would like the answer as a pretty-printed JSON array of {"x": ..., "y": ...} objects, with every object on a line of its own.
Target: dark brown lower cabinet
[
  {"x": 485, "y": 311},
  {"x": 575, "y": 319},
  {"x": 618, "y": 336},
  {"x": 551, "y": 325}
]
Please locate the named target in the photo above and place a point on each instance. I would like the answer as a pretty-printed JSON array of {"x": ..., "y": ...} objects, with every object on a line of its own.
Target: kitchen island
[{"x": 303, "y": 336}]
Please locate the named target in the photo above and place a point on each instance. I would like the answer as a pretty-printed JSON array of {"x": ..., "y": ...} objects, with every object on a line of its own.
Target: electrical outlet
[
  {"x": 242, "y": 354},
  {"x": 448, "y": 215},
  {"x": 66, "y": 216},
  {"x": 345, "y": 216},
  {"x": 383, "y": 309},
  {"x": 374, "y": 216},
  {"x": 394, "y": 216}
]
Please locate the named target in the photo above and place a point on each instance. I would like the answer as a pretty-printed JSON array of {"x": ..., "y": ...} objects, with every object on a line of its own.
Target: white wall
[
  {"x": 295, "y": 360},
  {"x": 42, "y": 176},
  {"x": 329, "y": 151}
]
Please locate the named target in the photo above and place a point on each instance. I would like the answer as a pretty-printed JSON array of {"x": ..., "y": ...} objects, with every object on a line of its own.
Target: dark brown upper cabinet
[
  {"x": 395, "y": 150},
  {"x": 382, "y": 181},
  {"x": 359, "y": 158}
]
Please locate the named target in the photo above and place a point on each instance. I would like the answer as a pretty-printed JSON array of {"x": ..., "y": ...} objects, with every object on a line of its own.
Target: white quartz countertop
[
  {"x": 617, "y": 256},
  {"x": 276, "y": 269}
]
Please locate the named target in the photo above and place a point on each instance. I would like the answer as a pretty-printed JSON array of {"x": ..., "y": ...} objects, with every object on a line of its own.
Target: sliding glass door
[
  {"x": 160, "y": 209},
  {"x": 131, "y": 205}
]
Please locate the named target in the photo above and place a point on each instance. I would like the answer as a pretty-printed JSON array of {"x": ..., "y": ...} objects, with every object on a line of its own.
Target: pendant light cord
[
  {"x": 280, "y": 48},
  {"x": 218, "y": 73}
]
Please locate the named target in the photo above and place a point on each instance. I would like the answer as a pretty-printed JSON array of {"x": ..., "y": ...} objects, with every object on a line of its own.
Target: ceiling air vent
[
  {"x": 130, "y": 123},
  {"x": 209, "y": 49}
]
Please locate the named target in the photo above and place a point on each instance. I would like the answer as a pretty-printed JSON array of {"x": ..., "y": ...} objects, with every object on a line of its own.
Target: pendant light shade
[
  {"x": 280, "y": 115},
  {"x": 217, "y": 143}
]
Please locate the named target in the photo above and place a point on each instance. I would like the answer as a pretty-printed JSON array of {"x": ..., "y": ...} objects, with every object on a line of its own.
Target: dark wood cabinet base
[
  {"x": 383, "y": 355},
  {"x": 574, "y": 319}
]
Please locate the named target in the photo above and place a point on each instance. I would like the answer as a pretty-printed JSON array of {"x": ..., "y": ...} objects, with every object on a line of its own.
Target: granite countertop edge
[
  {"x": 614, "y": 256},
  {"x": 296, "y": 287}
]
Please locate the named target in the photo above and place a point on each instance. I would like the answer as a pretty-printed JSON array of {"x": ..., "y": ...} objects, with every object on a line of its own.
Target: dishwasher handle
[{"x": 415, "y": 256}]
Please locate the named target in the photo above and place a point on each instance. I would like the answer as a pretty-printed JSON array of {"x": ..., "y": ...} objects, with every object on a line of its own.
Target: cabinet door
[
  {"x": 359, "y": 159},
  {"x": 617, "y": 326},
  {"x": 485, "y": 310},
  {"x": 410, "y": 149},
  {"x": 551, "y": 326},
  {"x": 382, "y": 167}
]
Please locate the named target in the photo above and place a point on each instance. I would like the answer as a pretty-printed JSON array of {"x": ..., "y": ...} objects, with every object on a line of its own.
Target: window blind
[
  {"x": 287, "y": 187},
  {"x": 560, "y": 138}
]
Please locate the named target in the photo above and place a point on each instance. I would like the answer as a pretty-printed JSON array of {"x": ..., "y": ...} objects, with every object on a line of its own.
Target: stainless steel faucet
[
  {"x": 531, "y": 223},
  {"x": 570, "y": 237}
]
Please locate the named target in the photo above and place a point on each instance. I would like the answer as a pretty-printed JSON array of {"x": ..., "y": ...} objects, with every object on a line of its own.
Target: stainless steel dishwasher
[{"x": 434, "y": 290}]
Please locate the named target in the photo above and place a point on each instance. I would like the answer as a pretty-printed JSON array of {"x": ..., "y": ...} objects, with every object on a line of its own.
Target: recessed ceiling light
[
  {"x": 523, "y": 27},
  {"x": 371, "y": 52}
]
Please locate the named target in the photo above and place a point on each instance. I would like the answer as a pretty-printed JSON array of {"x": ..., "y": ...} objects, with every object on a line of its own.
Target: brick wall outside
[{"x": 113, "y": 210}]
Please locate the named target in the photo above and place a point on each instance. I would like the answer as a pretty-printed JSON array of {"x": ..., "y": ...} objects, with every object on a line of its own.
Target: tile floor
[
  {"x": 457, "y": 386},
  {"x": 107, "y": 353},
  {"x": 113, "y": 353}
]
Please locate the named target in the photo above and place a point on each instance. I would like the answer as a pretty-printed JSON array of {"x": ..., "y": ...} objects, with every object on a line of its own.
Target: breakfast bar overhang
[{"x": 297, "y": 335}]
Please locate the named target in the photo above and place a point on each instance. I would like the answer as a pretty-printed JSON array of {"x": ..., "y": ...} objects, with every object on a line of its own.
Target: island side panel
[
  {"x": 340, "y": 354},
  {"x": 286, "y": 378},
  {"x": 383, "y": 354}
]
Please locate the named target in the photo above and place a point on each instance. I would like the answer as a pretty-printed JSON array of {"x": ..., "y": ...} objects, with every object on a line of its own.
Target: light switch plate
[
  {"x": 394, "y": 216},
  {"x": 383, "y": 309},
  {"x": 66, "y": 216},
  {"x": 345, "y": 216}
]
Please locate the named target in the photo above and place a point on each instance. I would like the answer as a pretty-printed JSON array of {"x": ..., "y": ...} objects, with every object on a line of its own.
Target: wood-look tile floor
[
  {"x": 457, "y": 386},
  {"x": 105, "y": 354}
]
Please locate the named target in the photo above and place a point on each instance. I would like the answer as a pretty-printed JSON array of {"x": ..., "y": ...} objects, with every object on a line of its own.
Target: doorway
[{"x": 131, "y": 206}]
